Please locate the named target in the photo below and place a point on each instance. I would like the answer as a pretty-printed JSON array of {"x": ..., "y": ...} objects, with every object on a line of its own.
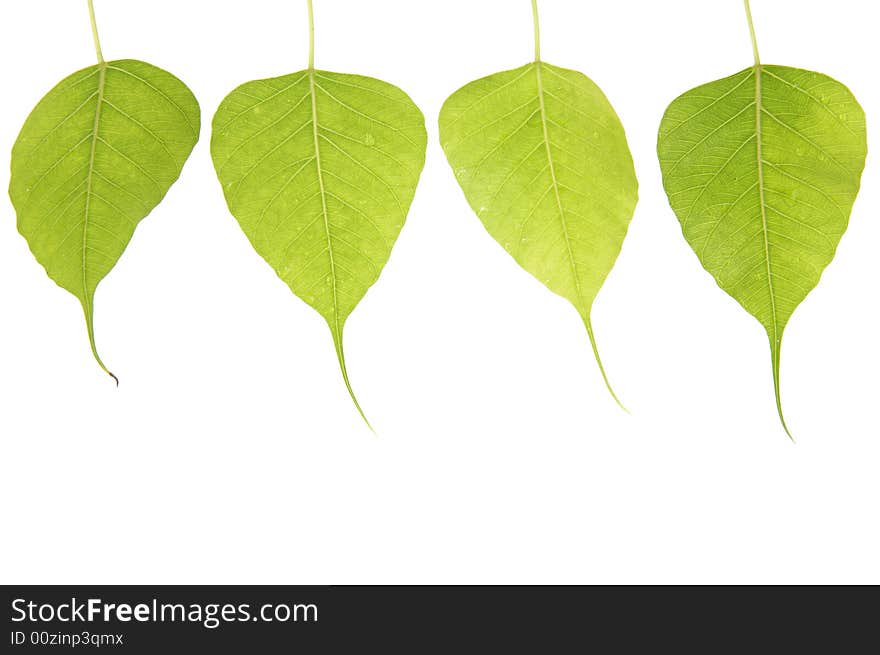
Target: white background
[{"x": 230, "y": 452}]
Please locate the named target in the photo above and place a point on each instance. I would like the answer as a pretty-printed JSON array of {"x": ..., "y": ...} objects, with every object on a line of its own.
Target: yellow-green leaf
[
  {"x": 762, "y": 169},
  {"x": 94, "y": 157},
  {"x": 543, "y": 160},
  {"x": 319, "y": 169}
]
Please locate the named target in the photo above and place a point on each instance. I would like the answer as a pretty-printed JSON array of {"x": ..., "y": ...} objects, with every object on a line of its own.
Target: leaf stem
[
  {"x": 95, "y": 37},
  {"x": 538, "y": 30},
  {"x": 311, "y": 36},
  {"x": 752, "y": 32}
]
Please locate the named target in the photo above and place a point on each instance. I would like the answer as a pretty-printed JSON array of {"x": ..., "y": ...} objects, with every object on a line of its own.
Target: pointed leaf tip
[
  {"x": 340, "y": 355},
  {"x": 87, "y": 307},
  {"x": 775, "y": 354},
  {"x": 589, "y": 325}
]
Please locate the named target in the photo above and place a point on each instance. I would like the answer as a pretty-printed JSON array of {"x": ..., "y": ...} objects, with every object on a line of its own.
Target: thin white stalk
[
  {"x": 311, "y": 36},
  {"x": 752, "y": 33},
  {"x": 95, "y": 37},
  {"x": 537, "y": 30}
]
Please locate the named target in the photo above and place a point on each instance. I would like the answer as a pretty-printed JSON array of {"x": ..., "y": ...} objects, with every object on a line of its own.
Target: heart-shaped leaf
[
  {"x": 543, "y": 160},
  {"x": 320, "y": 169},
  {"x": 762, "y": 169}
]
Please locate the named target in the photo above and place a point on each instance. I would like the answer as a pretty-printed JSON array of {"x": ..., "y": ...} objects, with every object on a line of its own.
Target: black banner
[{"x": 247, "y": 619}]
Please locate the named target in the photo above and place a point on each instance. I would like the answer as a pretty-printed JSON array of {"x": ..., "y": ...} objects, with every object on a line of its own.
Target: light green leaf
[
  {"x": 320, "y": 169},
  {"x": 94, "y": 157},
  {"x": 762, "y": 169},
  {"x": 543, "y": 160}
]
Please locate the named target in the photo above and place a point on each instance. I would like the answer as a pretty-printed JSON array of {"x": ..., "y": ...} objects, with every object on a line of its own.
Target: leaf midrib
[
  {"x": 763, "y": 204},
  {"x": 316, "y": 139},
  {"x": 555, "y": 185},
  {"x": 102, "y": 77}
]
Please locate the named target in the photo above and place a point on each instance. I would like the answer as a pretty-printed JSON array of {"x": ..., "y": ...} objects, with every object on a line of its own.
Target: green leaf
[
  {"x": 320, "y": 169},
  {"x": 94, "y": 157},
  {"x": 762, "y": 169},
  {"x": 543, "y": 160}
]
